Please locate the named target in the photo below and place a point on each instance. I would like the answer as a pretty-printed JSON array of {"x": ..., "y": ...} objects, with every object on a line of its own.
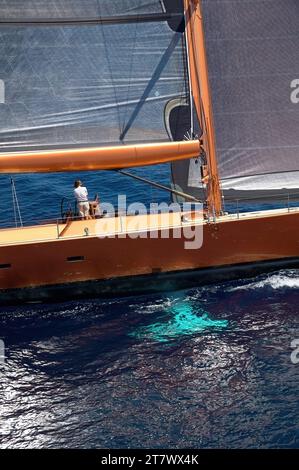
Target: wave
[{"x": 281, "y": 280}]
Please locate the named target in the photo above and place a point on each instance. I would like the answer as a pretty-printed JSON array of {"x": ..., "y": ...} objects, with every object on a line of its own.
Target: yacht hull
[{"x": 73, "y": 267}]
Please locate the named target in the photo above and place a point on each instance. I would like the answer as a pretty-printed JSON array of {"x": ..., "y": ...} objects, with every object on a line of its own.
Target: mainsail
[
  {"x": 254, "y": 77},
  {"x": 97, "y": 73}
]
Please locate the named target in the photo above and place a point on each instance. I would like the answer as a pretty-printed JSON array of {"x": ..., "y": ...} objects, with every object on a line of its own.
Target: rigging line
[
  {"x": 121, "y": 19},
  {"x": 163, "y": 6},
  {"x": 183, "y": 94},
  {"x": 155, "y": 77},
  {"x": 16, "y": 206},
  {"x": 13, "y": 202},
  {"x": 130, "y": 79},
  {"x": 159, "y": 186},
  {"x": 189, "y": 80},
  {"x": 111, "y": 75},
  {"x": 19, "y": 212}
]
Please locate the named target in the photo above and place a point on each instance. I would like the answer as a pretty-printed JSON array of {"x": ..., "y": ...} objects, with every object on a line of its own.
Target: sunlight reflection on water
[{"x": 183, "y": 321}]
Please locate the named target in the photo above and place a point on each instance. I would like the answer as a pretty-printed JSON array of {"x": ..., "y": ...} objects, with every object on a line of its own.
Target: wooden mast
[{"x": 202, "y": 99}]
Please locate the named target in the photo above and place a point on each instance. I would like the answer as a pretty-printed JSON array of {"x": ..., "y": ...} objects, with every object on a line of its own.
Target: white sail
[
  {"x": 88, "y": 73},
  {"x": 253, "y": 66}
]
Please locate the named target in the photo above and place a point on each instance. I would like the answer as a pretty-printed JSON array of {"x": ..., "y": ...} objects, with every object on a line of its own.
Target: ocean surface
[{"x": 202, "y": 368}]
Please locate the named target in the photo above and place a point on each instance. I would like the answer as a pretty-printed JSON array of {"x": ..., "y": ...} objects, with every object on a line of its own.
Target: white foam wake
[{"x": 281, "y": 280}]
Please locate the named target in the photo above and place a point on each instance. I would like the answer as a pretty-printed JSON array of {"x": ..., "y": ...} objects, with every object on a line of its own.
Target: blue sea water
[{"x": 202, "y": 368}]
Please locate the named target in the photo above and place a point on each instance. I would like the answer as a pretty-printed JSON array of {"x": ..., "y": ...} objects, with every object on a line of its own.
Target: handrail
[
  {"x": 122, "y": 229},
  {"x": 275, "y": 196},
  {"x": 287, "y": 199}
]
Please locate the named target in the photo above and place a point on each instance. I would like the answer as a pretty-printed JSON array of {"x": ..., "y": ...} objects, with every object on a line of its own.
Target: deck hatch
[{"x": 73, "y": 259}]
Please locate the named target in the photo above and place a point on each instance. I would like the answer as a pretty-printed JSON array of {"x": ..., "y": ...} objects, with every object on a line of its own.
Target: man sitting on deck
[{"x": 81, "y": 195}]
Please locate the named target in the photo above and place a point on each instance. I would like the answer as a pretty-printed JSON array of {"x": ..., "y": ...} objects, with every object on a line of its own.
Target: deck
[{"x": 122, "y": 225}]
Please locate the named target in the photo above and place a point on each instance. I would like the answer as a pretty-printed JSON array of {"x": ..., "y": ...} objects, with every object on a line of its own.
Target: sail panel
[
  {"x": 87, "y": 84},
  {"x": 74, "y": 9},
  {"x": 253, "y": 67}
]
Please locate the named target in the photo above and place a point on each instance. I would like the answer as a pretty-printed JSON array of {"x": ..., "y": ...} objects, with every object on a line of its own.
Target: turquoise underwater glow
[{"x": 183, "y": 322}]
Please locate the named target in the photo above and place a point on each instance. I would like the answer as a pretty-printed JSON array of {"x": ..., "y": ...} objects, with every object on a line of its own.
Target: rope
[
  {"x": 13, "y": 202},
  {"x": 159, "y": 186},
  {"x": 107, "y": 53},
  {"x": 122, "y": 134},
  {"x": 16, "y": 206}
]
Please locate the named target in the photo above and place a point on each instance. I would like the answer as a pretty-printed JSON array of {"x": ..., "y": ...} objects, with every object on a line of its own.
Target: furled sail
[
  {"x": 253, "y": 66},
  {"x": 89, "y": 74}
]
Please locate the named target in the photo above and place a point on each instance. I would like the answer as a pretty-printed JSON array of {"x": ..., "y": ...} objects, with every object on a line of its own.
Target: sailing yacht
[{"x": 207, "y": 86}]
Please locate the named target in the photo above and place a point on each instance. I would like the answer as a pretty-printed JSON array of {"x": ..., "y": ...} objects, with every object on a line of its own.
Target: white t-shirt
[{"x": 81, "y": 194}]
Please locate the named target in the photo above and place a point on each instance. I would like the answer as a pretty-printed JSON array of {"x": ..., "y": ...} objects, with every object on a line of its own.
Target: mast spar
[
  {"x": 97, "y": 158},
  {"x": 202, "y": 98}
]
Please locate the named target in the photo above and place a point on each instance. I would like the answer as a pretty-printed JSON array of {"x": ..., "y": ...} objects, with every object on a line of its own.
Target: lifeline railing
[
  {"x": 284, "y": 200},
  {"x": 237, "y": 207}
]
